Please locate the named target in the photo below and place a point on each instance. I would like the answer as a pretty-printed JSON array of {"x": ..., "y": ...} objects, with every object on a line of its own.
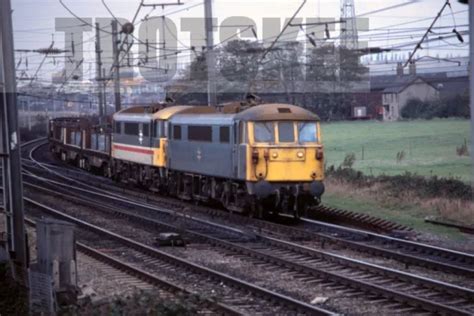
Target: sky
[{"x": 399, "y": 27}]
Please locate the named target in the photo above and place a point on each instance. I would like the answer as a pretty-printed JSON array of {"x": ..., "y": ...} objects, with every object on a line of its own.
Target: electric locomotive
[{"x": 257, "y": 159}]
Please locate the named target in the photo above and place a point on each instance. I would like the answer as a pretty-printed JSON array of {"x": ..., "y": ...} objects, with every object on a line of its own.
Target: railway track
[
  {"x": 423, "y": 291},
  {"x": 356, "y": 220},
  {"x": 135, "y": 277},
  {"x": 407, "y": 252},
  {"x": 311, "y": 265},
  {"x": 242, "y": 297}
]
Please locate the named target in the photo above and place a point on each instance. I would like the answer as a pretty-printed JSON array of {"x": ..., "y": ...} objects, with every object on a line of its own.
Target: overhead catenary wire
[
  {"x": 391, "y": 38},
  {"x": 418, "y": 45},
  {"x": 71, "y": 75},
  {"x": 40, "y": 65},
  {"x": 79, "y": 18},
  {"x": 266, "y": 51},
  {"x": 140, "y": 41},
  {"x": 91, "y": 39}
]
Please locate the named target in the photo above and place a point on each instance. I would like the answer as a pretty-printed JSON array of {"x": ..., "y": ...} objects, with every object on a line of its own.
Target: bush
[
  {"x": 349, "y": 160},
  {"x": 463, "y": 149},
  {"x": 400, "y": 156},
  {"x": 457, "y": 106},
  {"x": 415, "y": 108},
  {"x": 427, "y": 187},
  {"x": 454, "y": 107}
]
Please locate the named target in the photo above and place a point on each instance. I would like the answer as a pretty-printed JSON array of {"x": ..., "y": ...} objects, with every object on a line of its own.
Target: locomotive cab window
[
  {"x": 264, "y": 132},
  {"x": 131, "y": 128},
  {"x": 118, "y": 127},
  {"x": 307, "y": 132},
  {"x": 146, "y": 130},
  {"x": 286, "y": 132},
  {"x": 177, "y": 132}
]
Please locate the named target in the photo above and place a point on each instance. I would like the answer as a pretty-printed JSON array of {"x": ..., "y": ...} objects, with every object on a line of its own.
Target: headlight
[
  {"x": 300, "y": 154},
  {"x": 255, "y": 157},
  {"x": 274, "y": 155},
  {"x": 319, "y": 154}
]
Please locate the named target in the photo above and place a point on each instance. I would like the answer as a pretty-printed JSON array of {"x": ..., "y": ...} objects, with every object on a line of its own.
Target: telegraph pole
[
  {"x": 98, "y": 70},
  {"x": 116, "y": 53},
  {"x": 103, "y": 87},
  {"x": 10, "y": 147},
  {"x": 210, "y": 56}
]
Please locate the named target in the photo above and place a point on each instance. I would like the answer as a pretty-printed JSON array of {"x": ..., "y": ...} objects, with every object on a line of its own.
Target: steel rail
[
  {"x": 361, "y": 242},
  {"x": 405, "y": 250},
  {"x": 274, "y": 297},
  {"x": 146, "y": 277},
  {"x": 312, "y": 254}
]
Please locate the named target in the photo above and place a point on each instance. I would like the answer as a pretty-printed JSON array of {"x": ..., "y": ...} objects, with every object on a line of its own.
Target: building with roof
[
  {"x": 395, "y": 97},
  {"x": 389, "y": 93}
]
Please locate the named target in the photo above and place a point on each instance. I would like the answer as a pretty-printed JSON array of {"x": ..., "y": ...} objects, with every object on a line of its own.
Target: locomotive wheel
[
  {"x": 77, "y": 162},
  {"x": 296, "y": 214},
  {"x": 225, "y": 199},
  {"x": 255, "y": 208},
  {"x": 105, "y": 170},
  {"x": 87, "y": 165},
  {"x": 293, "y": 203}
]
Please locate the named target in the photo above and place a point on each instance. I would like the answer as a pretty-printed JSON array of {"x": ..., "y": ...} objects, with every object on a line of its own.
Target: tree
[
  {"x": 237, "y": 62},
  {"x": 285, "y": 68},
  {"x": 326, "y": 73},
  {"x": 332, "y": 72}
]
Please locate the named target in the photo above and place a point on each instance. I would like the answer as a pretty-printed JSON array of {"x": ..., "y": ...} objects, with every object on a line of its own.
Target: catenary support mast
[
  {"x": 210, "y": 55},
  {"x": 10, "y": 144}
]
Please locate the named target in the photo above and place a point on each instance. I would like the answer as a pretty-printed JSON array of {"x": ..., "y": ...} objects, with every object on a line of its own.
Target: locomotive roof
[
  {"x": 168, "y": 112},
  {"x": 188, "y": 113},
  {"x": 146, "y": 114},
  {"x": 276, "y": 112},
  {"x": 264, "y": 112},
  {"x": 135, "y": 114},
  {"x": 203, "y": 119}
]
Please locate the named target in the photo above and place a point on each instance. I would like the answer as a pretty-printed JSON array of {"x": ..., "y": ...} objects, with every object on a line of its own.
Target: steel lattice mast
[{"x": 349, "y": 37}]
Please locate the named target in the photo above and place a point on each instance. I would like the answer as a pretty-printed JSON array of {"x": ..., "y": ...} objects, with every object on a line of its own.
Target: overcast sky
[{"x": 34, "y": 22}]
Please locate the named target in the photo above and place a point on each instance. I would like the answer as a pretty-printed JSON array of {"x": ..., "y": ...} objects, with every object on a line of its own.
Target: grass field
[{"x": 429, "y": 146}]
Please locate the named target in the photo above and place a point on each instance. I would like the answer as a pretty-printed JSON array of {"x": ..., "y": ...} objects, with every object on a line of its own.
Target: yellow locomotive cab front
[{"x": 284, "y": 151}]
